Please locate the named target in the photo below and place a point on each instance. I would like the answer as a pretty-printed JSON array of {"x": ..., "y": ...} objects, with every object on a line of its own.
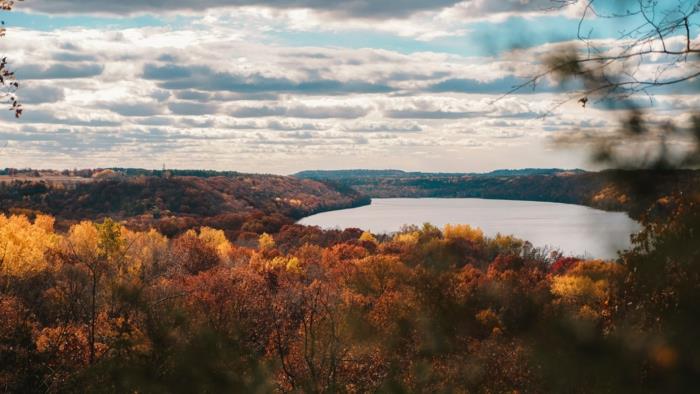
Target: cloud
[
  {"x": 508, "y": 134},
  {"x": 156, "y": 121},
  {"x": 324, "y": 112},
  {"x": 170, "y": 71},
  {"x": 354, "y": 8},
  {"x": 189, "y": 108},
  {"x": 301, "y": 111},
  {"x": 384, "y": 127},
  {"x": 305, "y": 135},
  {"x": 143, "y": 95},
  {"x": 193, "y": 95},
  {"x": 497, "y": 86},
  {"x": 423, "y": 20},
  {"x": 293, "y": 126},
  {"x": 135, "y": 108},
  {"x": 65, "y": 56},
  {"x": 35, "y": 93},
  {"x": 42, "y": 116},
  {"x": 204, "y": 78},
  {"x": 504, "y": 8},
  {"x": 428, "y": 114},
  {"x": 258, "y": 112},
  {"x": 59, "y": 71}
]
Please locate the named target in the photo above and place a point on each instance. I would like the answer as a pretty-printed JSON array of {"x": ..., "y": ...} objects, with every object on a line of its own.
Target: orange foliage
[{"x": 303, "y": 310}]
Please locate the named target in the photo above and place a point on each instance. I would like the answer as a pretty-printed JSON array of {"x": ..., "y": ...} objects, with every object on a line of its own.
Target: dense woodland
[
  {"x": 242, "y": 205},
  {"x": 100, "y": 307},
  {"x": 204, "y": 284}
]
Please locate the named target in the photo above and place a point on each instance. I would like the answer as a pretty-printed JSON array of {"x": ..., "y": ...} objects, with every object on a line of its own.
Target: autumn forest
[
  {"x": 151, "y": 237},
  {"x": 107, "y": 306}
]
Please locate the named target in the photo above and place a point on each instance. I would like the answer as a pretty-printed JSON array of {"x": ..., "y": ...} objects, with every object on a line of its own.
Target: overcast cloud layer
[{"x": 282, "y": 86}]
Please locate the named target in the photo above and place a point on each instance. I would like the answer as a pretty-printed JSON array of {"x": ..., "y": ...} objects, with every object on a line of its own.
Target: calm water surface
[{"x": 574, "y": 229}]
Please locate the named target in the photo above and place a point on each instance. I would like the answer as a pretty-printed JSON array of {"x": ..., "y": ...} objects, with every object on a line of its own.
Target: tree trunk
[{"x": 93, "y": 312}]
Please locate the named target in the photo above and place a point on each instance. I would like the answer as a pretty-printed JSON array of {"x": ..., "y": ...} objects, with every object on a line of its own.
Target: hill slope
[{"x": 243, "y": 202}]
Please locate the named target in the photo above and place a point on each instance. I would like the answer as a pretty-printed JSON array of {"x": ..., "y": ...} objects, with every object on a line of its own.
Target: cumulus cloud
[
  {"x": 193, "y": 95},
  {"x": 66, "y": 56},
  {"x": 390, "y": 12},
  {"x": 50, "y": 117},
  {"x": 504, "y": 8},
  {"x": 189, "y": 108},
  {"x": 301, "y": 111},
  {"x": 384, "y": 127},
  {"x": 355, "y": 8},
  {"x": 430, "y": 114},
  {"x": 496, "y": 86},
  {"x": 135, "y": 108},
  {"x": 508, "y": 134},
  {"x": 37, "y": 93},
  {"x": 287, "y": 125},
  {"x": 204, "y": 78},
  {"x": 96, "y": 97},
  {"x": 59, "y": 71}
]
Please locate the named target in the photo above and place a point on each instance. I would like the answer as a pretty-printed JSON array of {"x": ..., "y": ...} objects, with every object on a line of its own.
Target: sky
[{"x": 280, "y": 86}]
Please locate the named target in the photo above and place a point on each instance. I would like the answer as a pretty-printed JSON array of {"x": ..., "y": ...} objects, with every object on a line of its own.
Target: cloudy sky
[{"x": 280, "y": 86}]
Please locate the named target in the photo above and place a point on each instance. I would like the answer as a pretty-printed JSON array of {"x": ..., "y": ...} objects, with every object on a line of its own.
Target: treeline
[
  {"x": 618, "y": 190},
  {"x": 90, "y": 172},
  {"x": 242, "y": 205},
  {"x": 359, "y": 173},
  {"x": 175, "y": 172},
  {"x": 103, "y": 308}
]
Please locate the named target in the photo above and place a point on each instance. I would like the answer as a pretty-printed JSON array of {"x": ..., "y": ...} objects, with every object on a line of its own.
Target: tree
[
  {"x": 308, "y": 335},
  {"x": 193, "y": 254},
  {"x": 266, "y": 242},
  {"x": 615, "y": 71},
  {"x": 657, "y": 54},
  {"x": 8, "y": 82},
  {"x": 651, "y": 299},
  {"x": 24, "y": 245},
  {"x": 100, "y": 249}
]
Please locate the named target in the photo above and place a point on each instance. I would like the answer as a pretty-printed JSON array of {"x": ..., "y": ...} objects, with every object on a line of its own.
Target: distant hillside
[
  {"x": 530, "y": 171},
  {"x": 347, "y": 174},
  {"x": 343, "y": 174},
  {"x": 91, "y": 172},
  {"x": 609, "y": 190},
  {"x": 236, "y": 203}
]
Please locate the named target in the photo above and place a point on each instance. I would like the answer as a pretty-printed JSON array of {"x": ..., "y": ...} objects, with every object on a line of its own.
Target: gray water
[{"x": 575, "y": 230}]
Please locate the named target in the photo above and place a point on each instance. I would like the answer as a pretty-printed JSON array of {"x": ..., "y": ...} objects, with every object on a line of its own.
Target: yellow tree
[
  {"x": 266, "y": 242},
  {"x": 146, "y": 255},
  {"x": 100, "y": 249},
  {"x": 23, "y": 244},
  {"x": 217, "y": 240}
]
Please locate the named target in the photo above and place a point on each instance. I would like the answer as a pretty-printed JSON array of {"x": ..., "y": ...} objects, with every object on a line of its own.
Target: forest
[
  {"x": 243, "y": 205},
  {"x": 100, "y": 307},
  {"x": 168, "y": 283}
]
